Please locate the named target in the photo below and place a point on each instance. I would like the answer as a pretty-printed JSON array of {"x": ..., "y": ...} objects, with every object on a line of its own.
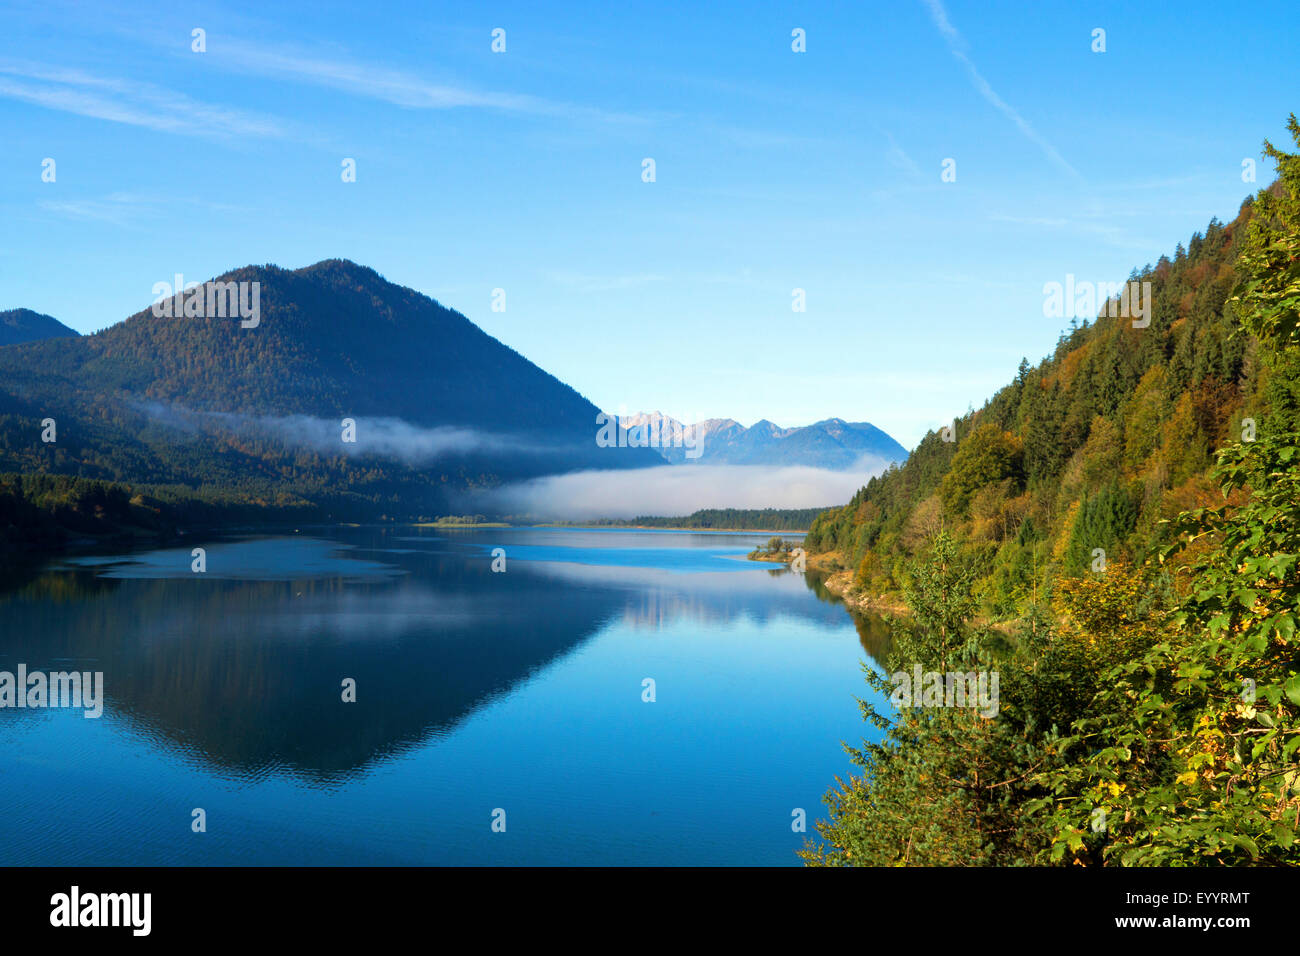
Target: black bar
[{"x": 335, "y": 905}]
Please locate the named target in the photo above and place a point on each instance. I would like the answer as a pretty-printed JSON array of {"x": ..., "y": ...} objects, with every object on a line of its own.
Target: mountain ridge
[
  {"x": 18, "y": 326},
  {"x": 832, "y": 443}
]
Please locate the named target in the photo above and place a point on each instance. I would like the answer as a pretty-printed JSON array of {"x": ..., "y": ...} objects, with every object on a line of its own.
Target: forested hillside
[
  {"x": 1153, "y": 716},
  {"x": 1086, "y": 454}
]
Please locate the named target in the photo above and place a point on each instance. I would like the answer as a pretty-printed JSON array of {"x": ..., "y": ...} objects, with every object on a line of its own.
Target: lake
[{"x": 476, "y": 692}]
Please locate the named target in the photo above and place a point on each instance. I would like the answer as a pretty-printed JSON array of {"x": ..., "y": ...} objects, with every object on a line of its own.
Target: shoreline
[
  {"x": 838, "y": 580},
  {"x": 840, "y": 583},
  {"x": 648, "y": 527}
]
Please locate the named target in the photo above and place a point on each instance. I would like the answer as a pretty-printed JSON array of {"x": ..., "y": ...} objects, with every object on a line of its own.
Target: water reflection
[{"x": 241, "y": 668}]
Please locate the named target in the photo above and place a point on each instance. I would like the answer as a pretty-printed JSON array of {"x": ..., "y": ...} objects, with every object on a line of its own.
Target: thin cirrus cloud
[
  {"x": 128, "y": 209},
  {"x": 1107, "y": 231},
  {"x": 957, "y": 47},
  {"x": 898, "y": 156},
  {"x": 396, "y": 87},
  {"x": 586, "y": 283},
  {"x": 130, "y": 102},
  {"x": 120, "y": 209}
]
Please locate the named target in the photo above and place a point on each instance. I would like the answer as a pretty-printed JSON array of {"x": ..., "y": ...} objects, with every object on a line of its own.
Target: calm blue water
[{"x": 476, "y": 691}]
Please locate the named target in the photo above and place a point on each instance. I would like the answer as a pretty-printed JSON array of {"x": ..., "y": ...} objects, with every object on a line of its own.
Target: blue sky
[{"x": 522, "y": 170}]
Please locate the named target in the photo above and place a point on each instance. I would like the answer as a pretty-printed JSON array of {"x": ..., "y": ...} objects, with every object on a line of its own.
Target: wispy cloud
[
  {"x": 899, "y": 157},
  {"x": 1166, "y": 182},
  {"x": 126, "y": 209},
  {"x": 1032, "y": 220},
  {"x": 130, "y": 102},
  {"x": 118, "y": 209},
  {"x": 581, "y": 282},
  {"x": 397, "y": 87},
  {"x": 957, "y": 46},
  {"x": 1117, "y": 236},
  {"x": 762, "y": 139}
]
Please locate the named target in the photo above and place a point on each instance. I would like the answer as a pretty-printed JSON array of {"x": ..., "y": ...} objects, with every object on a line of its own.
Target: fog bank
[{"x": 674, "y": 490}]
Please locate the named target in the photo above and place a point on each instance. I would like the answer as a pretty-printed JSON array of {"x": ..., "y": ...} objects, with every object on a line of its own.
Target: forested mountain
[
  {"x": 24, "y": 325},
  {"x": 253, "y": 412},
  {"x": 1087, "y": 452},
  {"x": 832, "y": 443}
]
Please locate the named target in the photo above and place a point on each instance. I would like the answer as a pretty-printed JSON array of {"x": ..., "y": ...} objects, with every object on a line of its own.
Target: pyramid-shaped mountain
[{"x": 253, "y": 408}]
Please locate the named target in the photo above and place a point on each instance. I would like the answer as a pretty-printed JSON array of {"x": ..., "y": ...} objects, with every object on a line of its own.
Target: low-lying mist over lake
[{"x": 674, "y": 490}]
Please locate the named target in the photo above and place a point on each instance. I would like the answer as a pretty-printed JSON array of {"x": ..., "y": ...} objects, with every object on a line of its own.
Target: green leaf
[{"x": 1292, "y": 688}]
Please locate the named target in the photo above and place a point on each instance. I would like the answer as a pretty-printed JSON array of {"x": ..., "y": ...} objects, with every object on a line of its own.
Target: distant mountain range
[
  {"x": 212, "y": 407},
  {"x": 832, "y": 443},
  {"x": 24, "y": 325}
]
